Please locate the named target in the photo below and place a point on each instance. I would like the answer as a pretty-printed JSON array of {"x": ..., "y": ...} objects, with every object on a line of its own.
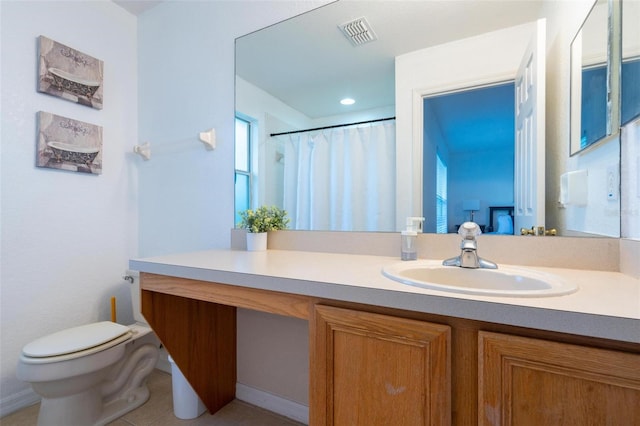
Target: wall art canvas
[
  {"x": 67, "y": 144},
  {"x": 69, "y": 73}
]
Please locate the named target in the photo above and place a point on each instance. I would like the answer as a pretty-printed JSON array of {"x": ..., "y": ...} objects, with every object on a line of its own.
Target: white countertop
[{"x": 606, "y": 305}]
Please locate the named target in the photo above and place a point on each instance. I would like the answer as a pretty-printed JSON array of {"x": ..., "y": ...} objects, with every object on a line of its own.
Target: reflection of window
[
  {"x": 441, "y": 196},
  {"x": 243, "y": 166},
  {"x": 594, "y": 100},
  {"x": 594, "y": 105},
  {"x": 630, "y": 90}
]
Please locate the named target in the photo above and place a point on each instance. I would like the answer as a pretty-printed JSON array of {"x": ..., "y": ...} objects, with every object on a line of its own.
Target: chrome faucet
[{"x": 469, "y": 255}]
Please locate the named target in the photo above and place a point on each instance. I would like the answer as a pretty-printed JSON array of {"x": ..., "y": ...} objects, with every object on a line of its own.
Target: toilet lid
[{"x": 75, "y": 339}]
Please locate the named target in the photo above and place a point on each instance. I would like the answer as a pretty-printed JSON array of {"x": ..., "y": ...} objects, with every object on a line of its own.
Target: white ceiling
[
  {"x": 137, "y": 6},
  {"x": 308, "y": 63}
]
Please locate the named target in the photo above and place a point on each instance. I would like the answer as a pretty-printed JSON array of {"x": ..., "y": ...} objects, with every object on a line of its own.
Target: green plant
[{"x": 263, "y": 219}]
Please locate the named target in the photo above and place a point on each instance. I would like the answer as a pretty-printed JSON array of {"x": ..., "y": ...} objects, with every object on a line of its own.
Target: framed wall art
[
  {"x": 67, "y": 144},
  {"x": 69, "y": 74}
]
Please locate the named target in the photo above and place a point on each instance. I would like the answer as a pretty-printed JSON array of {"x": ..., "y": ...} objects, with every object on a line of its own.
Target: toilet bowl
[{"x": 91, "y": 374}]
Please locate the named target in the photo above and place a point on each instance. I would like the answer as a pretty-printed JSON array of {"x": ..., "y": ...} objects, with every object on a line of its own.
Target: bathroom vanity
[{"x": 398, "y": 354}]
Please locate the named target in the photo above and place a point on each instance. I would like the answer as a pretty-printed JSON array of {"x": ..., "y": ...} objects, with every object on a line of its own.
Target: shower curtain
[{"x": 341, "y": 179}]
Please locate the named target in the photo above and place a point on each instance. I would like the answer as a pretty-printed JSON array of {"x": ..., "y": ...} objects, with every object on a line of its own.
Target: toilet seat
[{"x": 75, "y": 342}]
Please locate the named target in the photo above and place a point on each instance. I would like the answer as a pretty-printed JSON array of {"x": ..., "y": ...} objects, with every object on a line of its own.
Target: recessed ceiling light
[{"x": 347, "y": 101}]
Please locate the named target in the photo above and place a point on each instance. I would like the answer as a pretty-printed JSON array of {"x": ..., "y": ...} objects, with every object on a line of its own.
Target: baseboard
[
  {"x": 18, "y": 401},
  {"x": 259, "y": 398},
  {"x": 274, "y": 403}
]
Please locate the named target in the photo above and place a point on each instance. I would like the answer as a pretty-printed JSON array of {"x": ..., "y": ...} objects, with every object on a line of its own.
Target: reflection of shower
[{"x": 340, "y": 178}]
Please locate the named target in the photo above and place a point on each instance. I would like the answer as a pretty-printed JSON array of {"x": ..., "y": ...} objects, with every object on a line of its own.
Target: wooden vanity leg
[{"x": 201, "y": 338}]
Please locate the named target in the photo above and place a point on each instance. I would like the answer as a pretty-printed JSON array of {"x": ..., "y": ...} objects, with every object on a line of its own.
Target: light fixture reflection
[{"x": 347, "y": 101}]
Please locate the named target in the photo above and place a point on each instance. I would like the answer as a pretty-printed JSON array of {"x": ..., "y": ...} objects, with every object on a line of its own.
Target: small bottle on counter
[{"x": 409, "y": 236}]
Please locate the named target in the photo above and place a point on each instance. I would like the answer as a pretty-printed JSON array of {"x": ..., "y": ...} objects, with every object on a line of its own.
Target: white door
[{"x": 529, "y": 182}]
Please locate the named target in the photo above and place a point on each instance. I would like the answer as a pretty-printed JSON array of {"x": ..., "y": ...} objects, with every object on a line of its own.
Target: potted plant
[{"x": 258, "y": 222}]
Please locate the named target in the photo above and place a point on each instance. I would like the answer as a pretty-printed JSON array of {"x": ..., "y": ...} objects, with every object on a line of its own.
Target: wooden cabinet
[
  {"x": 371, "y": 369},
  {"x": 525, "y": 381},
  {"x": 377, "y": 366},
  {"x": 201, "y": 338}
]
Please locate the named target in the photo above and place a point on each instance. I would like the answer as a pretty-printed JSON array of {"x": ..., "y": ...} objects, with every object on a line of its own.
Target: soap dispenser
[{"x": 409, "y": 251}]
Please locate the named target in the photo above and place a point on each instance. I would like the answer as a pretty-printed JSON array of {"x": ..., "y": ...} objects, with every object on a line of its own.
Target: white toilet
[{"x": 91, "y": 374}]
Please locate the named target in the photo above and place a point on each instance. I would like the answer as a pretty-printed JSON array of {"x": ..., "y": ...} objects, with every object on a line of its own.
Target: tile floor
[{"x": 158, "y": 411}]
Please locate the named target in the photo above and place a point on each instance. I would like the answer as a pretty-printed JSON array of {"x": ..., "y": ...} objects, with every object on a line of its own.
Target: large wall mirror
[{"x": 342, "y": 163}]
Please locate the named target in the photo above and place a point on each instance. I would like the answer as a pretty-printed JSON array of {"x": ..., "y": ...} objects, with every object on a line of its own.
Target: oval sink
[{"x": 504, "y": 281}]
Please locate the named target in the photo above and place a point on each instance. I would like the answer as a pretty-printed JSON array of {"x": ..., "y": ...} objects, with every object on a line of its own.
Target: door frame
[
  {"x": 418, "y": 96},
  {"x": 451, "y": 92},
  {"x": 474, "y": 61}
]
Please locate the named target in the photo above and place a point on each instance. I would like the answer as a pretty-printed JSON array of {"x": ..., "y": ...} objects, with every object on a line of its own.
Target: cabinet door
[
  {"x": 370, "y": 369},
  {"x": 524, "y": 381}
]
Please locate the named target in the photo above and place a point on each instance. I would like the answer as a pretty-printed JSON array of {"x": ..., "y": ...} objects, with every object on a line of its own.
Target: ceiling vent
[{"x": 358, "y": 31}]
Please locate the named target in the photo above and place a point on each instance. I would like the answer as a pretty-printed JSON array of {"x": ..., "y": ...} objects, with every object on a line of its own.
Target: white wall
[
  {"x": 66, "y": 237},
  {"x": 186, "y": 193},
  {"x": 630, "y": 178},
  {"x": 601, "y": 215},
  {"x": 563, "y": 22},
  {"x": 268, "y": 115},
  {"x": 486, "y": 176},
  {"x": 186, "y": 55}
]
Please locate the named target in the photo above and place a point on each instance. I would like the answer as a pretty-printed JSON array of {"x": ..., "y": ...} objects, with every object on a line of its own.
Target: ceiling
[
  {"x": 137, "y": 6},
  {"x": 310, "y": 65}
]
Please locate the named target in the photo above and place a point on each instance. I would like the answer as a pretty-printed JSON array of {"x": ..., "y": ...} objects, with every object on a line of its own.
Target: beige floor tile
[
  {"x": 120, "y": 422},
  {"x": 239, "y": 413},
  {"x": 26, "y": 417},
  {"x": 158, "y": 411}
]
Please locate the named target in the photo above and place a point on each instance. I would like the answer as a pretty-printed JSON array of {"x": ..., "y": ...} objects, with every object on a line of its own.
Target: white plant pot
[{"x": 256, "y": 241}]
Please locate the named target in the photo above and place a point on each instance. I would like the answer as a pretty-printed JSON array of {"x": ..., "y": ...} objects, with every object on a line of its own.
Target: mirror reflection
[
  {"x": 469, "y": 140},
  {"x": 590, "y": 87},
  {"x": 283, "y": 74},
  {"x": 366, "y": 172},
  {"x": 606, "y": 84},
  {"x": 630, "y": 81},
  {"x": 630, "y": 137}
]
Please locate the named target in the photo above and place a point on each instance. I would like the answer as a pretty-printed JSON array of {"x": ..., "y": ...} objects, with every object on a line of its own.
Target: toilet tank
[{"x": 135, "y": 295}]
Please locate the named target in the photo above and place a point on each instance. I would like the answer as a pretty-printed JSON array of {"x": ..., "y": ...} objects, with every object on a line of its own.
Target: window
[
  {"x": 242, "y": 176},
  {"x": 441, "y": 195}
]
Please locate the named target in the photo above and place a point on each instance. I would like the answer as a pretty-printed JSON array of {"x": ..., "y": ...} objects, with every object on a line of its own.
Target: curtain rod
[{"x": 332, "y": 127}]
